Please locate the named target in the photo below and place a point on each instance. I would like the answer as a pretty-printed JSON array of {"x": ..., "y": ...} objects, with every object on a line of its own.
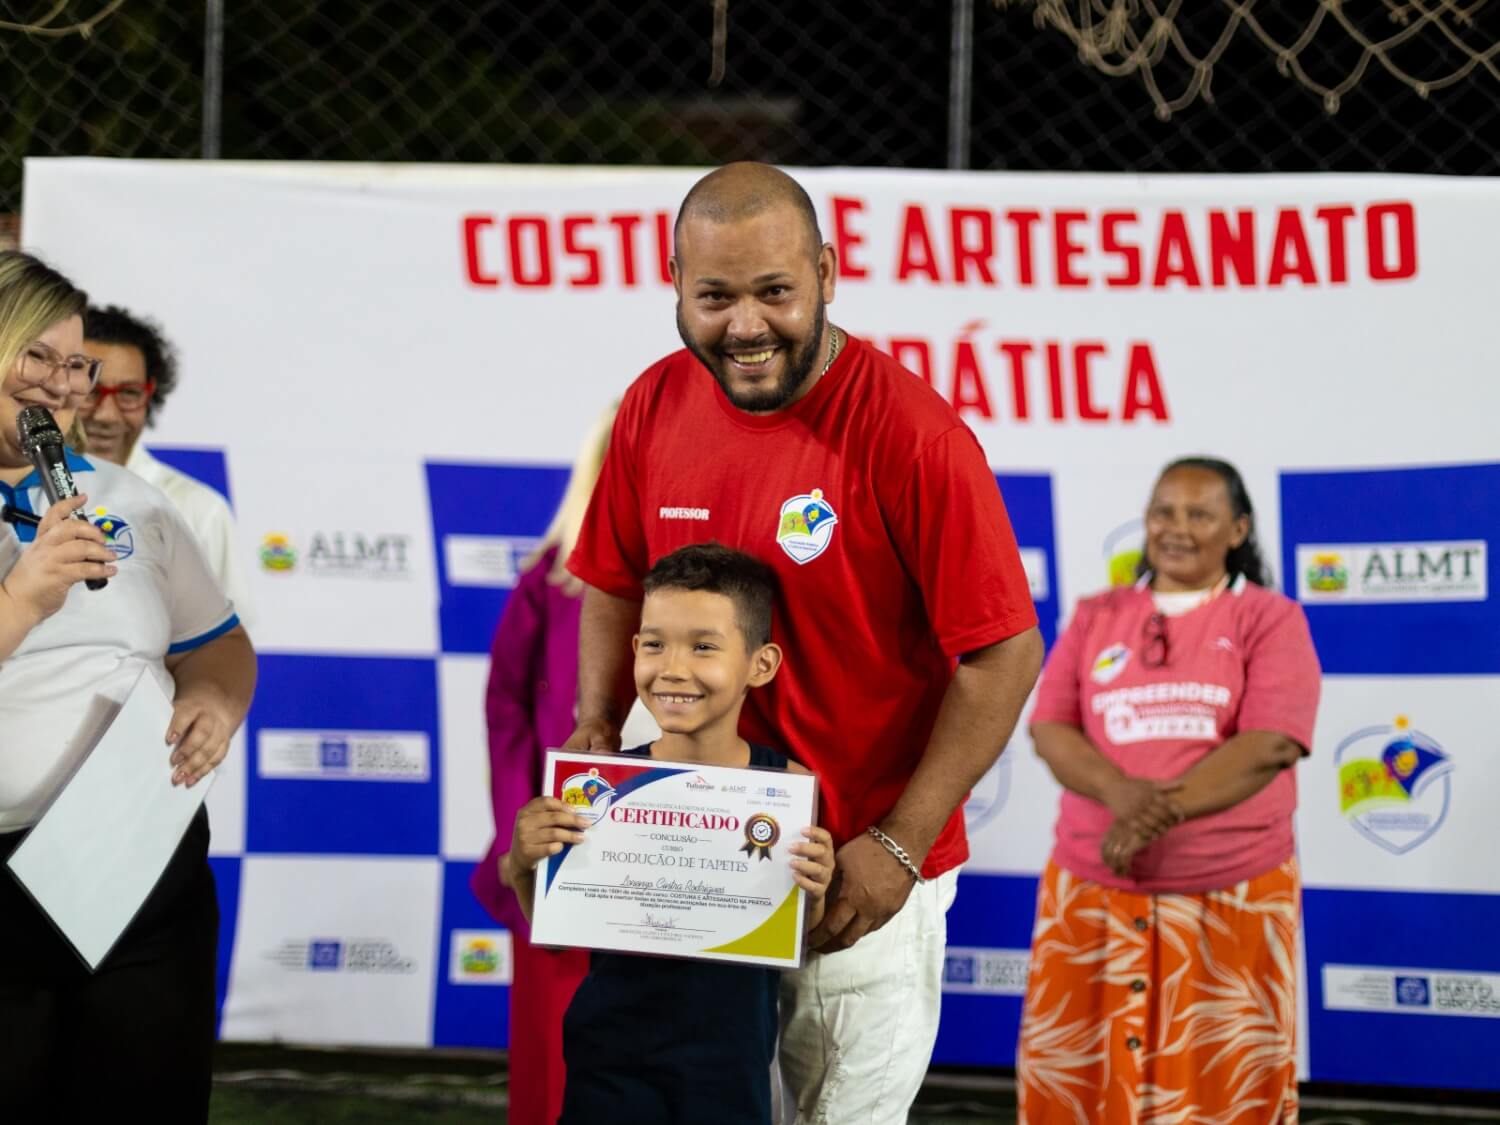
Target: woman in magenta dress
[{"x": 528, "y": 708}]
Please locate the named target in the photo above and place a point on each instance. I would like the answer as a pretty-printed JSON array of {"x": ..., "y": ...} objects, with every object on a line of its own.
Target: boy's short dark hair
[{"x": 749, "y": 583}]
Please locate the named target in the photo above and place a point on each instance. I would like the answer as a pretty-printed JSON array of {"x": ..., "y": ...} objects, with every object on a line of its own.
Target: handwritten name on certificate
[{"x": 679, "y": 859}]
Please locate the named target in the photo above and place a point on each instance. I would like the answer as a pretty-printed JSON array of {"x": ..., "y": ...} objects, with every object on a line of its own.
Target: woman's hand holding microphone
[{"x": 65, "y": 552}]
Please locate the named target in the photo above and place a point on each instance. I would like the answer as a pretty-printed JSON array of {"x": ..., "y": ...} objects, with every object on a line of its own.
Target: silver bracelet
[{"x": 896, "y": 850}]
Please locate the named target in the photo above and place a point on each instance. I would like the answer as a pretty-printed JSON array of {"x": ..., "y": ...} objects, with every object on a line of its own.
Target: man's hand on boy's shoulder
[{"x": 598, "y": 736}]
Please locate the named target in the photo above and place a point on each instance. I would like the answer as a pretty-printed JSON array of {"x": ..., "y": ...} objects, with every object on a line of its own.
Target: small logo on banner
[
  {"x": 806, "y": 527},
  {"x": 1394, "y": 785},
  {"x": 479, "y": 957},
  {"x": 343, "y": 755},
  {"x": 324, "y": 955},
  {"x": 1351, "y": 573},
  {"x": 117, "y": 534},
  {"x": 1327, "y": 574},
  {"x": 1413, "y": 992},
  {"x": 761, "y": 834},
  {"x": 1110, "y": 663},
  {"x": 336, "y": 955},
  {"x": 277, "y": 554},
  {"x": 992, "y": 972},
  {"x": 1430, "y": 992},
  {"x": 492, "y": 561},
  {"x": 588, "y": 794},
  {"x": 358, "y": 554}
]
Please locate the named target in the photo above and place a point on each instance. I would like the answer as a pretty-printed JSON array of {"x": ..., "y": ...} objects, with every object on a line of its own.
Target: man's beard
[{"x": 800, "y": 365}]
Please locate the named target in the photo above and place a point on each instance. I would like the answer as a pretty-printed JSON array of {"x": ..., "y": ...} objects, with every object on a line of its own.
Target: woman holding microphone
[{"x": 138, "y": 1032}]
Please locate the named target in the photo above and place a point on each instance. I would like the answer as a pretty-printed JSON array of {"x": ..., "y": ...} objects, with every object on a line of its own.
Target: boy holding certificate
[{"x": 653, "y": 1039}]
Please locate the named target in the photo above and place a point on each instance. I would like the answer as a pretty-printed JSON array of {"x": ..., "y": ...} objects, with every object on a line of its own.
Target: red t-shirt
[
  {"x": 873, "y": 503},
  {"x": 1245, "y": 661}
]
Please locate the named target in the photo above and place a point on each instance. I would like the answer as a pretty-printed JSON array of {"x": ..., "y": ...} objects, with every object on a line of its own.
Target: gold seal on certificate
[{"x": 675, "y": 860}]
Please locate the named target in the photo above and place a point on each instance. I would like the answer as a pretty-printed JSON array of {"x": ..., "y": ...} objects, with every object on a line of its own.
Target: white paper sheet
[{"x": 101, "y": 846}]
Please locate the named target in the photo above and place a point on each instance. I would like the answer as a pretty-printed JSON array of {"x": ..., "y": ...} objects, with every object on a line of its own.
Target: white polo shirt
[
  {"x": 208, "y": 514},
  {"x": 62, "y": 686}
]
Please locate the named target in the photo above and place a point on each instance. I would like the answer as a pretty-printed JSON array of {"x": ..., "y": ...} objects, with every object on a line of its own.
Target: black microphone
[{"x": 42, "y": 441}]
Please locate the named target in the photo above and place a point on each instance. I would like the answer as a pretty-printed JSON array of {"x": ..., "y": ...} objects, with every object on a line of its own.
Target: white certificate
[
  {"x": 99, "y": 849},
  {"x": 680, "y": 859}
]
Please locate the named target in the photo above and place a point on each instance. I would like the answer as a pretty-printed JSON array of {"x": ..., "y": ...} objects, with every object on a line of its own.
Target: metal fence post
[
  {"x": 960, "y": 83},
  {"x": 213, "y": 77}
]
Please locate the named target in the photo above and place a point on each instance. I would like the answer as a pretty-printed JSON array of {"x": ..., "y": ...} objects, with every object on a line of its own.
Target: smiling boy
[{"x": 652, "y": 1039}]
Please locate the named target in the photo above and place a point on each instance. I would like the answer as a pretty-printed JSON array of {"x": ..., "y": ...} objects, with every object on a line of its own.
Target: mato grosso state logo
[{"x": 1395, "y": 784}]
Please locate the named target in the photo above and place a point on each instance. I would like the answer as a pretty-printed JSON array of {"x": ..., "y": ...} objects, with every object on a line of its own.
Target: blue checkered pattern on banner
[
  {"x": 346, "y": 763},
  {"x": 1379, "y": 934},
  {"x": 206, "y": 466},
  {"x": 507, "y": 505},
  {"x": 1385, "y": 564},
  {"x": 345, "y": 756},
  {"x": 1028, "y": 500},
  {"x": 473, "y": 970}
]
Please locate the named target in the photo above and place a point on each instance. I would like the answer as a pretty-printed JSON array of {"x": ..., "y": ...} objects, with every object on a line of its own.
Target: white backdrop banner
[{"x": 388, "y": 368}]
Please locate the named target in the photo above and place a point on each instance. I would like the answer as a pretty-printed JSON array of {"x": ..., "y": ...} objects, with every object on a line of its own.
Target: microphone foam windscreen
[{"x": 35, "y": 427}]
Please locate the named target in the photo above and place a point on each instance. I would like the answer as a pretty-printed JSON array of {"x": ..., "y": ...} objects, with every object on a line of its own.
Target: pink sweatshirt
[{"x": 1243, "y": 662}]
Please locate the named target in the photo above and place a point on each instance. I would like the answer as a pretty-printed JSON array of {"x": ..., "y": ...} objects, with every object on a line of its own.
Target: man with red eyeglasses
[{"x": 140, "y": 370}]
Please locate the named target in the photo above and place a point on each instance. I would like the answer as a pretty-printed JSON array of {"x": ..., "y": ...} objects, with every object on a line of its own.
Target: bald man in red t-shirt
[{"x": 904, "y": 613}]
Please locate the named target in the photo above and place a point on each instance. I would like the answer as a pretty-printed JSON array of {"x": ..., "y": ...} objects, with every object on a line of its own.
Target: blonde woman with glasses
[{"x": 137, "y": 1033}]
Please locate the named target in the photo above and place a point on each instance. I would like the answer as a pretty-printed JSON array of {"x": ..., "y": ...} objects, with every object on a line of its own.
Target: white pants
[{"x": 858, "y": 1026}]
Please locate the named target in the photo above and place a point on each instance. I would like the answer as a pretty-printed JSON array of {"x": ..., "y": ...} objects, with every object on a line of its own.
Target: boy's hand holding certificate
[{"x": 680, "y": 858}]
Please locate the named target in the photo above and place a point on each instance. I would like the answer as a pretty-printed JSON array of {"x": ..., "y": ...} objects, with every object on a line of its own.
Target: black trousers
[{"x": 132, "y": 1040}]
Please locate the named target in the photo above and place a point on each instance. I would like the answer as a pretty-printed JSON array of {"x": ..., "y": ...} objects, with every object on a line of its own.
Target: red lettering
[
  {"x": 1016, "y": 351},
  {"x": 1087, "y": 411},
  {"x": 626, "y": 225},
  {"x": 1335, "y": 219},
  {"x": 1055, "y": 381},
  {"x": 542, "y": 274},
  {"x": 1290, "y": 255},
  {"x": 1110, "y": 221},
  {"x": 476, "y": 272},
  {"x": 1065, "y": 249},
  {"x": 969, "y": 391},
  {"x": 1381, "y": 266},
  {"x": 916, "y": 246},
  {"x": 1024, "y": 222},
  {"x": 664, "y": 247},
  {"x": 1233, "y": 248},
  {"x": 1174, "y": 253},
  {"x": 960, "y": 221},
  {"x": 1143, "y": 393},
  {"x": 846, "y": 239},
  {"x": 571, "y": 246},
  {"x": 920, "y": 350}
]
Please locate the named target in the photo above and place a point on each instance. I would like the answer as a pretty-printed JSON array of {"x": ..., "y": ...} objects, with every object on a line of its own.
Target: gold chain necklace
[{"x": 833, "y": 350}]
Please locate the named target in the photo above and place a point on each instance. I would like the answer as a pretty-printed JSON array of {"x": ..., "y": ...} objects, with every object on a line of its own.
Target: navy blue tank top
[{"x": 653, "y": 1039}]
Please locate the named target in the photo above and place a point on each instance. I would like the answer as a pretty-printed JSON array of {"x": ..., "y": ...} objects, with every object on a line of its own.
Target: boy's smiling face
[{"x": 693, "y": 662}]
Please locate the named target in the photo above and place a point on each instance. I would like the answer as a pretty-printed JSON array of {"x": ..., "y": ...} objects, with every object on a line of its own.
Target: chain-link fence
[{"x": 1206, "y": 85}]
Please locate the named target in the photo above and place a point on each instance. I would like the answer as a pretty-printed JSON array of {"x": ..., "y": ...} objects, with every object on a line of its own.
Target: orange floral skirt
[{"x": 1161, "y": 1009}]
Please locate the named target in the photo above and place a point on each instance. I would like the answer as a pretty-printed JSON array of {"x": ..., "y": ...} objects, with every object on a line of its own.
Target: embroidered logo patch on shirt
[
  {"x": 1110, "y": 663},
  {"x": 806, "y": 528},
  {"x": 117, "y": 534}
]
